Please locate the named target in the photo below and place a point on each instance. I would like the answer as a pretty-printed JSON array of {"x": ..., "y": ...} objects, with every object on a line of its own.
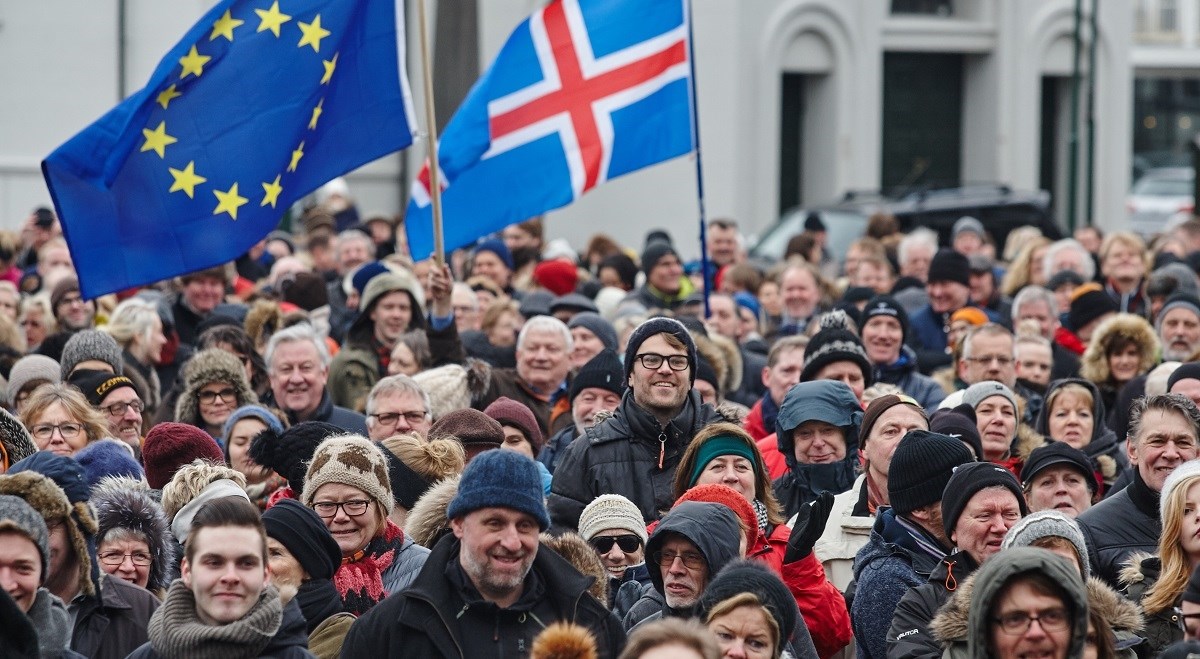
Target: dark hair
[
  {"x": 226, "y": 511},
  {"x": 1177, "y": 403},
  {"x": 1042, "y": 584},
  {"x": 237, "y": 338}
]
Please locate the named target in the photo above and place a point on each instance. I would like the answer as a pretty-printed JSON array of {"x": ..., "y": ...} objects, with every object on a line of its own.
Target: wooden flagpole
[{"x": 435, "y": 187}]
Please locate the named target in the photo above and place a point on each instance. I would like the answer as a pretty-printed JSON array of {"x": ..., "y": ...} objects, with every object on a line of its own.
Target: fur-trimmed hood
[
  {"x": 124, "y": 503},
  {"x": 1026, "y": 441},
  {"x": 205, "y": 367},
  {"x": 725, "y": 358},
  {"x": 427, "y": 520},
  {"x": 18, "y": 445},
  {"x": 1123, "y": 326},
  {"x": 49, "y": 500},
  {"x": 580, "y": 554}
]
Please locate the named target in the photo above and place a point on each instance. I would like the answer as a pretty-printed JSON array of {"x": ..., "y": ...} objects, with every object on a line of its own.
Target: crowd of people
[{"x": 326, "y": 448}]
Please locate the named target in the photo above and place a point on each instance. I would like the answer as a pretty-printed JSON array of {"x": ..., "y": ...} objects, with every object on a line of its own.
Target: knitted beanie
[
  {"x": 752, "y": 576},
  {"x": 835, "y": 343},
  {"x": 973, "y": 315},
  {"x": 468, "y": 426},
  {"x": 18, "y": 444},
  {"x": 876, "y": 410},
  {"x": 305, "y": 290},
  {"x": 1184, "y": 470},
  {"x": 350, "y": 460},
  {"x": 921, "y": 466},
  {"x": 252, "y": 412},
  {"x": 967, "y": 481},
  {"x": 168, "y": 446},
  {"x": 90, "y": 344},
  {"x": 1186, "y": 371},
  {"x": 1046, "y": 524},
  {"x": 1088, "y": 303},
  {"x": 604, "y": 371},
  {"x": 654, "y": 252},
  {"x": 655, "y": 326},
  {"x": 365, "y": 273},
  {"x": 448, "y": 388},
  {"x": 95, "y": 385},
  {"x": 949, "y": 265},
  {"x": 501, "y": 479},
  {"x": 1178, "y": 300},
  {"x": 513, "y": 413},
  {"x": 967, "y": 224},
  {"x": 17, "y": 515},
  {"x": 706, "y": 373},
  {"x": 980, "y": 391},
  {"x": 731, "y": 499},
  {"x": 498, "y": 248},
  {"x": 813, "y": 222},
  {"x": 108, "y": 457},
  {"x": 30, "y": 369},
  {"x": 611, "y": 511},
  {"x": 288, "y": 453},
  {"x": 594, "y": 323},
  {"x": 886, "y": 306},
  {"x": 960, "y": 426},
  {"x": 1054, "y": 454},
  {"x": 556, "y": 275},
  {"x": 407, "y": 484},
  {"x": 573, "y": 303},
  {"x": 301, "y": 531},
  {"x": 64, "y": 287}
]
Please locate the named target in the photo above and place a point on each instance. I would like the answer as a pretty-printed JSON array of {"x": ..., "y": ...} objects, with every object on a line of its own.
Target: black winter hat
[
  {"x": 706, "y": 372},
  {"x": 813, "y": 222},
  {"x": 288, "y": 453},
  {"x": 1089, "y": 303},
  {"x": 960, "y": 426},
  {"x": 968, "y": 480},
  {"x": 835, "y": 343},
  {"x": 885, "y": 305},
  {"x": 921, "y": 466},
  {"x": 749, "y": 576},
  {"x": 1058, "y": 453},
  {"x": 96, "y": 385},
  {"x": 1187, "y": 371},
  {"x": 604, "y": 371},
  {"x": 949, "y": 265},
  {"x": 407, "y": 484},
  {"x": 653, "y": 253},
  {"x": 660, "y": 325},
  {"x": 299, "y": 529}
]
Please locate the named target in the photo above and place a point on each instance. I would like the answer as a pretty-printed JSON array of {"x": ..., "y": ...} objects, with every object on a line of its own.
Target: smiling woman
[{"x": 214, "y": 386}]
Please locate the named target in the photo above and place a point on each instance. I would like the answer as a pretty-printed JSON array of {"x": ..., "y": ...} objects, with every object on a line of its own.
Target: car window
[{"x": 1163, "y": 187}]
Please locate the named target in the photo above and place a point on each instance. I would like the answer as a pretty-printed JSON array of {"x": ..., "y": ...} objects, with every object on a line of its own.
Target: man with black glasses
[
  {"x": 118, "y": 401},
  {"x": 635, "y": 452}
]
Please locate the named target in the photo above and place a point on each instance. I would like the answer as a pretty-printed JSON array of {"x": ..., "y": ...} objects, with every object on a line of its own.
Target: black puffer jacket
[
  {"x": 113, "y": 624},
  {"x": 620, "y": 455},
  {"x": 1120, "y": 525},
  {"x": 909, "y": 636},
  {"x": 1108, "y": 459}
]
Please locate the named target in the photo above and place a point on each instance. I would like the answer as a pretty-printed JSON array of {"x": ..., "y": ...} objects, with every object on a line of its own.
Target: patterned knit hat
[
  {"x": 288, "y": 453},
  {"x": 655, "y": 326},
  {"x": 350, "y": 460},
  {"x": 501, "y": 479},
  {"x": 15, "y": 440},
  {"x": 514, "y": 413},
  {"x": 835, "y": 343},
  {"x": 90, "y": 344},
  {"x": 921, "y": 466},
  {"x": 168, "y": 446},
  {"x": 31, "y": 368},
  {"x": 611, "y": 511},
  {"x": 17, "y": 515}
]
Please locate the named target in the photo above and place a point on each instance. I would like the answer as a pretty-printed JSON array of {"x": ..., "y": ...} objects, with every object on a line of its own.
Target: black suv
[{"x": 1000, "y": 208}]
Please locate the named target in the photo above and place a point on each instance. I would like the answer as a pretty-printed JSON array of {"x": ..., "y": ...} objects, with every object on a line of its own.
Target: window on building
[
  {"x": 1168, "y": 16},
  {"x": 929, "y": 7}
]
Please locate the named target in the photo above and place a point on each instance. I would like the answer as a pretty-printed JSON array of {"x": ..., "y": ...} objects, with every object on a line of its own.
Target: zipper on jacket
[
  {"x": 662, "y": 448},
  {"x": 445, "y": 623}
]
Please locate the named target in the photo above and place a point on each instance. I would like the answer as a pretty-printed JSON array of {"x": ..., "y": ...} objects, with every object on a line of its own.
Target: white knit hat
[
  {"x": 447, "y": 389},
  {"x": 611, "y": 511},
  {"x": 1189, "y": 468}
]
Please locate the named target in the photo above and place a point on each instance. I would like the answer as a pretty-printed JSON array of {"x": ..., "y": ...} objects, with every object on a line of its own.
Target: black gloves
[{"x": 810, "y": 524}]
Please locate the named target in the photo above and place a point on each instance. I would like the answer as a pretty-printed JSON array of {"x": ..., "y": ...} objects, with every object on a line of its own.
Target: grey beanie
[
  {"x": 17, "y": 515},
  {"x": 978, "y": 392},
  {"x": 595, "y": 323},
  {"x": 31, "y": 368},
  {"x": 1045, "y": 524},
  {"x": 91, "y": 344}
]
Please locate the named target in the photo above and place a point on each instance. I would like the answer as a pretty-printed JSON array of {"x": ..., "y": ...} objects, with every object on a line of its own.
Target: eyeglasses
[
  {"x": 1183, "y": 619},
  {"x": 328, "y": 509},
  {"x": 627, "y": 543},
  {"x": 1018, "y": 622},
  {"x": 227, "y": 395},
  {"x": 690, "y": 560},
  {"x": 67, "y": 430},
  {"x": 654, "y": 361},
  {"x": 1001, "y": 360},
  {"x": 388, "y": 419},
  {"x": 118, "y": 409},
  {"x": 115, "y": 558}
]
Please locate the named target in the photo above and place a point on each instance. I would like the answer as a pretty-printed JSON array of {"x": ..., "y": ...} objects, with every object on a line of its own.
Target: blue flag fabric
[
  {"x": 258, "y": 105},
  {"x": 582, "y": 92}
]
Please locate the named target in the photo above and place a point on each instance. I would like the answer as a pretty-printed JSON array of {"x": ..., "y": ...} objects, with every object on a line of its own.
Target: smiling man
[
  {"x": 884, "y": 328},
  {"x": 117, "y": 400},
  {"x": 298, "y": 366},
  {"x": 487, "y": 589}
]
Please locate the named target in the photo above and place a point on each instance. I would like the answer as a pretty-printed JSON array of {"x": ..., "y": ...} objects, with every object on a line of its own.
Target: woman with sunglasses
[
  {"x": 214, "y": 385},
  {"x": 613, "y": 526}
]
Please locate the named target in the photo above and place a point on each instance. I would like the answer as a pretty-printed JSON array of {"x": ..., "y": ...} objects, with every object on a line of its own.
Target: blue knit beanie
[
  {"x": 108, "y": 457},
  {"x": 500, "y": 479},
  {"x": 498, "y": 248},
  {"x": 654, "y": 326}
]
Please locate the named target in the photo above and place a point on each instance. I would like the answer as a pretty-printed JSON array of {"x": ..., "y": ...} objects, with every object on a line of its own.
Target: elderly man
[
  {"x": 989, "y": 353},
  {"x": 465, "y": 304},
  {"x": 724, "y": 242},
  {"x": 1162, "y": 436},
  {"x": 397, "y": 405},
  {"x": 542, "y": 376},
  {"x": 800, "y": 292},
  {"x": 1037, "y": 305},
  {"x": 1068, "y": 254},
  {"x": 949, "y": 290},
  {"x": 117, "y": 400},
  {"x": 298, "y": 367},
  {"x": 487, "y": 588},
  {"x": 353, "y": 249},
  {"x": 636, "y": 451},
  {"x": 597, "y": 388}
]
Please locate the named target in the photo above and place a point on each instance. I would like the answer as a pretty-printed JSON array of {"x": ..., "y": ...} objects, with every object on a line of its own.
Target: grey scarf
[
  {"x": 176, "y": 631},
  {"x": 52, "y": 622}
]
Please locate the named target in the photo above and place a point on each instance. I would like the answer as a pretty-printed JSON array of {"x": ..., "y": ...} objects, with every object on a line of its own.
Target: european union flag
[{"x": 257, "y": 105}]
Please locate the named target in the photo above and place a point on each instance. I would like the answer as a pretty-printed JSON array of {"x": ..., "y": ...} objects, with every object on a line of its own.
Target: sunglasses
[{"x": 627, "y": 543}]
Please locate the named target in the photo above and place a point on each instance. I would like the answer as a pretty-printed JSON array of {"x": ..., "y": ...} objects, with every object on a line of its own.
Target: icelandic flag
[
  {"x": 260, "y": 103},
  {"x": 582, "y": 92}
]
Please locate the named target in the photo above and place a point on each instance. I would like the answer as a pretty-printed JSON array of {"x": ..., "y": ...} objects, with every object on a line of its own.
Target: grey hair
[
  {"x": 400, "y": 384},
  {"x": 919, "y": 237},
  {"x": 546, "y": 324},
  {"x": 350, "y": 235},
  {"x": 298, "y": 332},
  {"x": 1085, "y": 257},
  {"x": 462, "y": 287},
  {"x": 1031, "y": 294},
  {"x": 987, "y": 329},
  {"x": 1177, "y": 403}
]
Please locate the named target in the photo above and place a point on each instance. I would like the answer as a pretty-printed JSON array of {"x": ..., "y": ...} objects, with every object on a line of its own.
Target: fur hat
[
  {"x": 90, "y": 344},
  {"x": 1045, "y": 524},
  {"x": 1121, "y": 327},
  {"x": 168, "y": 446},
  {"x": 454, "y": 387},
  {"x": 17, "y": 515},
  {"x": 514, "y": 413},
  {"x": 289, "y": 452},
  {"x": 18, "y": 445},
  {"x": 501, "y": 479},
  {"x": 206, "y": 367},
  {"x": 611, "y": 511},
  {"x": 31, "y": 368},
  {"x": 49, "y": 500},
  {"x": 350, "y": 460},
  {"x": 653, "y": 327},
  {"x": 835, "y": 342},
  {"x": 121, "y": 503},
  {"x": 108, "y": 457}
]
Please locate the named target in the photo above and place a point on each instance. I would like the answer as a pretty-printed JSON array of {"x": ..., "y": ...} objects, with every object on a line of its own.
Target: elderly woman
[
  {"x": 214, "y": 385},
  {"x": 241, "y": 427},
  {"x": 750, "y": 613},
  {"x": 60, "y": 419},
  {"x": 1122, "y": 347},
  {"x": 1006, "y": 441},
  {"x": 1074, "y": 414},
  {"x": 137, "y": 328},
  {"x": 348, "y": 486},
  {"x": 134, "y": 540},
  {"x": 614, "y": 527}
]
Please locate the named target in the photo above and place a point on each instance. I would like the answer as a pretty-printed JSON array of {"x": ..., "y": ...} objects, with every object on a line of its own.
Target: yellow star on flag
[
  {"x": 272, "y": 191},
  {"x": 229, "y": 202},
  {"x": 296, "y": 156},
  {"x": 312, "y": 123},
  {"x": 167, "y": 95},
  {"x": 313, "y": 33},
  {"x": 330, "y": 65},
  {"x": 193, "y": 63},
  {"x": 186, "y": 179},
  {"x": 271, "y": 19},
  {"x": 224, "y": 27},
  {"x": 157, "y": 140}
]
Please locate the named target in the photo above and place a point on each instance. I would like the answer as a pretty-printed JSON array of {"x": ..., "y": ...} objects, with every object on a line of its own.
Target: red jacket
[
  {"x": 772, "y": 458},
  {"x": 753, "y": 423}
]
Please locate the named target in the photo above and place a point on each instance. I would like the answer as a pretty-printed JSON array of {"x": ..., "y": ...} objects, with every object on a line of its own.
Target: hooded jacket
[
  {"x": 126, "y": 504},
  {"x": 206, "y": 367},
  {"x": 821, "y": 400},
  {"x": 905, "y": 374},
  {"x": 620, "y": 455},
  {"x": 910, "y": 635},
  {"x": 114, "y": 624},
  {"x": 1108, "y": 458},
  {"x": 1161, "y": 629},
  {"x": 1094, "y": 364}
]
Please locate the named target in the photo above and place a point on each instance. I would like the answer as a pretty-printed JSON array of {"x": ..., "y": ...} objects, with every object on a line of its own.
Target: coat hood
[
  {"x": 819, "y": 400},
  {"x": 427, "y": 520},
  {"x": 362, "y": 328},
  {"x": 725, "y": 358},
  {"x": 1123, "y": 326},
  {"x": 1104, "y": 448},
  {"x": 124, "y": 503},
  {"x": 205, "y": 367},
  {"x": 712, "y": 527}
]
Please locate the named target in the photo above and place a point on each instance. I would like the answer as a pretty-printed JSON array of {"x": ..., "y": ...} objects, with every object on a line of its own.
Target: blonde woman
[{"x": 60, "y": 419}]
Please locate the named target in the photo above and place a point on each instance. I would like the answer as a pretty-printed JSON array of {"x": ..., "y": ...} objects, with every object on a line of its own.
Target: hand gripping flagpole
[
  {"x": 435, "y": 186},
  {"x": 699, "y": 165}
]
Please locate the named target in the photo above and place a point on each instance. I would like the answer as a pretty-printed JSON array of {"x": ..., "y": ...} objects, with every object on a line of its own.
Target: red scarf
[{"x": 359, "y": 580}]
